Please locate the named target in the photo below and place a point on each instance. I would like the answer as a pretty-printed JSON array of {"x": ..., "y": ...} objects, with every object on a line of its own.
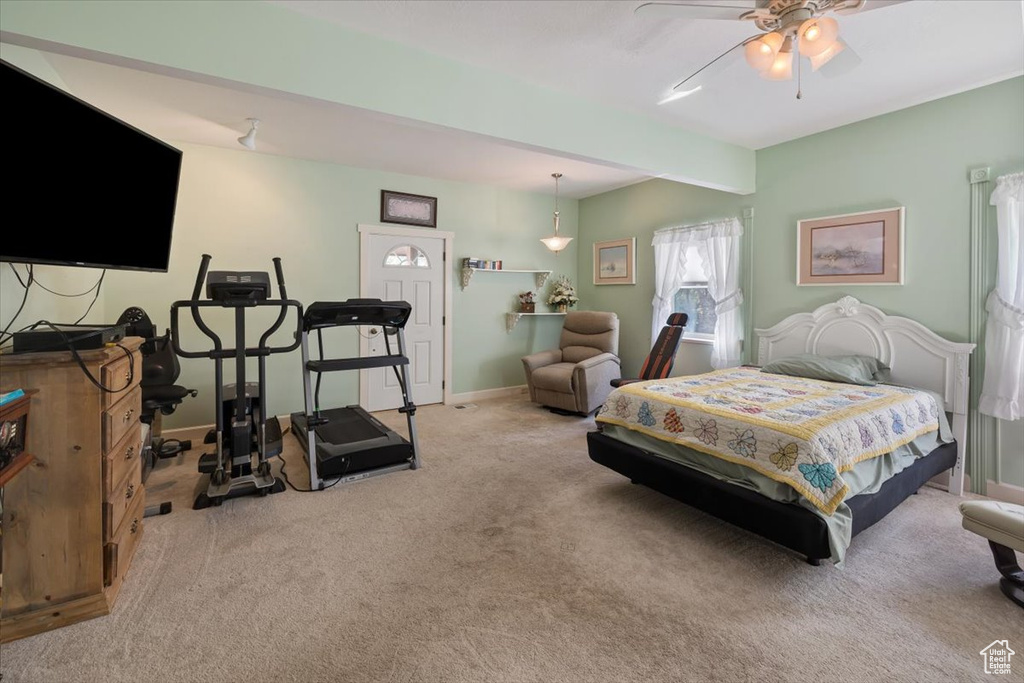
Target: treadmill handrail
[
  {"x": 354, "y": 312},
  {"x": 357, "y": 363}
]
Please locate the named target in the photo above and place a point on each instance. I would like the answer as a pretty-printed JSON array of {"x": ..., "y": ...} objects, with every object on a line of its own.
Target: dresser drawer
[
  {"x": 120, "y": 501},
  {"x": 122, "y": 458},
  {"x": 120, "y": 418},
  {"x": 118, "y": 553},
  {"x": 117, "y": 374}
]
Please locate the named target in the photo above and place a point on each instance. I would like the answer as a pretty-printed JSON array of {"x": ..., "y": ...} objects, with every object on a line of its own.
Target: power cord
[
  {"x": 293, "y": 487},
  {"x": 68, "y": 344},
  {"x": 5, "y": 335}
]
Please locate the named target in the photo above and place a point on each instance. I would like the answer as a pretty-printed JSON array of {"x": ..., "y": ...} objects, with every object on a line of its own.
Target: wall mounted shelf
[
  {"x": 539, "y": 276},
  {"x": 512, "y": 318}
]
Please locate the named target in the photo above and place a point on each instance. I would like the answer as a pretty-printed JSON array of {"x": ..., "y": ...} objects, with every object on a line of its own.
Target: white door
[{"x": 406, "y": 268}]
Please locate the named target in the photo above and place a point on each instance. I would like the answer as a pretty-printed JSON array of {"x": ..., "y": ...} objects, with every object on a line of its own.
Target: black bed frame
[{"x": 786, "y": 524}]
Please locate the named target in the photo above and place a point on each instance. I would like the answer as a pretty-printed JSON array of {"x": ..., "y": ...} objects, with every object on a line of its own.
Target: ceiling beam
[{"x": 268, "y": 46}]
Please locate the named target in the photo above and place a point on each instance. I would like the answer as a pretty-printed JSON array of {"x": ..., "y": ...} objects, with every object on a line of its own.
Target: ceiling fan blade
[
  {"x": 697, "y": 9},
  {"x": 843, "y": 63},
  {"x": 703, "y": 75},
  {"x": 861, "y": 6}
]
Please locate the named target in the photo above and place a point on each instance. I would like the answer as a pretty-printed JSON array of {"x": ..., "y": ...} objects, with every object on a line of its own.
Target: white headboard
[{"x": 918, "y": 357}]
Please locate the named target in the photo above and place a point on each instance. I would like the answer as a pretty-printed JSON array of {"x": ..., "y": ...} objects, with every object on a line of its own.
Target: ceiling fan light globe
[
  {"x": 781, "y": 69},
  {"x": 817, "y": 35},
  {"x": 759, "y": 55},
  {"x": 774, "y": 40}
]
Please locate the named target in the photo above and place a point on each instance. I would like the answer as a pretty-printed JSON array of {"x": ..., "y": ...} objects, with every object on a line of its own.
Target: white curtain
[
  {"x": 1002, "y": 393},
  {"x": 718, "y": 244}
]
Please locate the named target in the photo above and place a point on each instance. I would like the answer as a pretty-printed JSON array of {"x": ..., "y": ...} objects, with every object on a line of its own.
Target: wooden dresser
[{"x": 73, "y": 519}]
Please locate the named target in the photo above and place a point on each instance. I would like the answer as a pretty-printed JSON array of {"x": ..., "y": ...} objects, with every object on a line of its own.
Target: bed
[{"x": 727, "y": 483}]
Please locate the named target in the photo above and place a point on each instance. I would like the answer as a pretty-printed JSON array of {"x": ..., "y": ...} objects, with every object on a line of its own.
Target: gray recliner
[{"x": 576, "y": 377}]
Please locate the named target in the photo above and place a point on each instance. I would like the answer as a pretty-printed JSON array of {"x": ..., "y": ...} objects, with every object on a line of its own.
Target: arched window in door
[{"x": 406, "y": 256}]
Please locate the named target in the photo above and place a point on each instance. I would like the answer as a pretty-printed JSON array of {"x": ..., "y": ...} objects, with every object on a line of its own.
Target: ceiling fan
[{"x": 788, "y": 28}]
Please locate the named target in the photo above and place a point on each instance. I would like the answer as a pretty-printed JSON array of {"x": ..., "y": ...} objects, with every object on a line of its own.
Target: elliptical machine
[{"x": 245, "y": 439}]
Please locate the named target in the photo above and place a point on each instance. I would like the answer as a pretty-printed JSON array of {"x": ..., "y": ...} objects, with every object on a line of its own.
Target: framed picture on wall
[
  {"x": 863, "y": 248},
  {"x": 615, "y": 262},
  {"x": 408, "y": 209}
]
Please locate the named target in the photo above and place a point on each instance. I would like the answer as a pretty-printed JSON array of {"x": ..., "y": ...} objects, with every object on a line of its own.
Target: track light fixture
[{"x": 249, "y": 139}]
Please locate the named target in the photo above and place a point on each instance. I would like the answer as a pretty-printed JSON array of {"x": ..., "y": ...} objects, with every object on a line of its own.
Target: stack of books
[{"x": 481, "y": 263}]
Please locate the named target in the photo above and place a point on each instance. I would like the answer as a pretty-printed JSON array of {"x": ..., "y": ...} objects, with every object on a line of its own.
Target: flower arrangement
[{"x": 563, "y": 293}]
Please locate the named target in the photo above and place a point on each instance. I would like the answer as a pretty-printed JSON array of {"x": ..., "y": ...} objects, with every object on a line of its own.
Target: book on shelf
[{"x": 481, "y": 264}]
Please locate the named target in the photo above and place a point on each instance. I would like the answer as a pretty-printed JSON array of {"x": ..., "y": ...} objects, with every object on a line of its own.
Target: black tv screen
[{"x": 80, "y": 187}]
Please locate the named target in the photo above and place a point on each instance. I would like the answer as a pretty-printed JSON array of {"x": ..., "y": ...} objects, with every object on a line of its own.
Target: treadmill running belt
[{"x": 347, "y": 426}]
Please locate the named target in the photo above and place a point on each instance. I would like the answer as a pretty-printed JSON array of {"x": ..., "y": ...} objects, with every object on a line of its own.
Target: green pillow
[{"x": 863, "y": 370}]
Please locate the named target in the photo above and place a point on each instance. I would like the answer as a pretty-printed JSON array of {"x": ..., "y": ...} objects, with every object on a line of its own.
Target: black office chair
[
  {"x": 160, "y": 395},
  {"x": 659, "y": 362}
]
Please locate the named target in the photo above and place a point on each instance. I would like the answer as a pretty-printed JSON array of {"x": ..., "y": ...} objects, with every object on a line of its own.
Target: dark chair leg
[
  {"x": 814, "y": 561},
  {"x": 1012, "y": 583}
]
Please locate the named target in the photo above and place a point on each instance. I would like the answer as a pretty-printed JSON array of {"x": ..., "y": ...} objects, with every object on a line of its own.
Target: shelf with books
[{"x": 539, "y": 276}]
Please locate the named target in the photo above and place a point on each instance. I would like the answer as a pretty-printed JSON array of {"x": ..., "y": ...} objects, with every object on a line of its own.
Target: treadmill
[{"x": 348, "y": 444}]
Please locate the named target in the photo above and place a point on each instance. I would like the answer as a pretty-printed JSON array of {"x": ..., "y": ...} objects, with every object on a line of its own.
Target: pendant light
[{"x": 556, "y": 243}]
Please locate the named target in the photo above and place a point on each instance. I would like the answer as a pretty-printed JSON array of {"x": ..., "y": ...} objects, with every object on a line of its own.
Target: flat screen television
[{"x": 80, "y": 187}]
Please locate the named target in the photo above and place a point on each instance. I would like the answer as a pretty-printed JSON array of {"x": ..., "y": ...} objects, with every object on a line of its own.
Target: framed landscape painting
[
  {"x": 853, "y": 249},
  {"x": 615, "y": 262}
]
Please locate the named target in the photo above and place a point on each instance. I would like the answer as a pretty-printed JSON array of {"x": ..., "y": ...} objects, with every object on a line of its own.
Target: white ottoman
[{"x": 1003, "y": 525}]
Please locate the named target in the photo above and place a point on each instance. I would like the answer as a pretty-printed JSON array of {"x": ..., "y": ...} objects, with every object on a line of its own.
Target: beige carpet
[{"x": 511, "y": 556}]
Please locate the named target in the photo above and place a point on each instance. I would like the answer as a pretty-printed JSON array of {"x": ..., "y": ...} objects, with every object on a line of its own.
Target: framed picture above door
[
  {"x": 408, "y": 209},
  {"x": 615, "y": 262}
]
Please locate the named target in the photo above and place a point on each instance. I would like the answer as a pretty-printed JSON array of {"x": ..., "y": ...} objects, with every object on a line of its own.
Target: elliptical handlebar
[
  {"x": 204, "y": 266},
  {"x": 195, "y": 304},
  {"x": 280, "y": 277},
  {"x": 284, "y": 310}
]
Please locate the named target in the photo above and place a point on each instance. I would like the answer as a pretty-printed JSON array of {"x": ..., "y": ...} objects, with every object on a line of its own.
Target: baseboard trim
[
  {"x": 483, "y": 394},
  {"x": 1008, "y": 493}
]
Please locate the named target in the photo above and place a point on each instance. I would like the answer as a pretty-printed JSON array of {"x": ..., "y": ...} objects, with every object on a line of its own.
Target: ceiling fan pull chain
[{"x": 799, "y": 71}]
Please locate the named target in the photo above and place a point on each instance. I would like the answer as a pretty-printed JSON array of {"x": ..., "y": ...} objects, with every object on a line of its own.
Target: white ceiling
[
  {"x": 912, "y": 52},
  {"x": 176, "y": 109}
]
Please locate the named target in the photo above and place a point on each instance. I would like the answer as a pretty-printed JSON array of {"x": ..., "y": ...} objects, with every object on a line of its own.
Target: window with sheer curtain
[
  {"x": 694, "y": 299},
  {"x": 1002, "y": 393},
  {"x": 714, "y": 249}
]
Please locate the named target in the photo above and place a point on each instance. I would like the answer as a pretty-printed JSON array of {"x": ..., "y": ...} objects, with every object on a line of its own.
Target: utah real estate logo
[{"x": 997, "y": 657}]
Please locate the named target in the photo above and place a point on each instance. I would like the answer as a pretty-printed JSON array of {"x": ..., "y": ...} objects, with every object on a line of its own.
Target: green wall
[
  {"x": 637, "y": 211},
  {"x": 244, "y": 208},
  {"x": 917, "y": 158}
]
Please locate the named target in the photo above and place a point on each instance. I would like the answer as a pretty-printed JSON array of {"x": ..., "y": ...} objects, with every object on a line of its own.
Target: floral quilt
[{"x": 802, "y": 432}]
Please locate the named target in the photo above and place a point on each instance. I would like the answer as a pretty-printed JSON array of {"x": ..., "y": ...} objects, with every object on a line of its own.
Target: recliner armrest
[
  {"x": 541, "y": 359},
  {"x": 594, "y": 361}
]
